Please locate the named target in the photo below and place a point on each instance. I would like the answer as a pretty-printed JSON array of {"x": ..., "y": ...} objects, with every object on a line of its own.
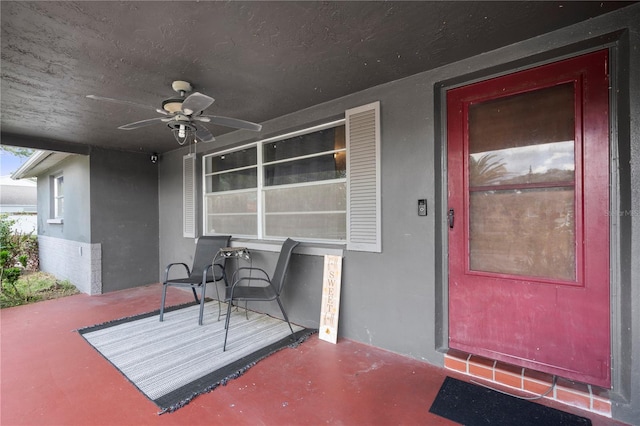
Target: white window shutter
[
  {"x": 363, "y": 178},
  {"x": 189, "y": 195}
]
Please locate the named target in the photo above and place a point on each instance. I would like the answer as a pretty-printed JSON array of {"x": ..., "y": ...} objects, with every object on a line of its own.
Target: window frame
[
  {"x": 58, "y": 209},
  {"x": 261, "y": 188}
]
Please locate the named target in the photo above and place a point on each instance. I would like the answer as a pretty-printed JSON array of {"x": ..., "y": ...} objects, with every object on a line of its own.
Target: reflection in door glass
[{"x": 548, "y": 162}]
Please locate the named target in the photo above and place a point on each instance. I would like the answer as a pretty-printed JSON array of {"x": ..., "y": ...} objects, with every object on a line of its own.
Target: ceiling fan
[{"x": 184, "y": 115}]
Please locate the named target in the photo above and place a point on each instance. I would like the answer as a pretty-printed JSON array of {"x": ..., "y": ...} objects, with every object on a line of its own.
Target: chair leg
[
  {"x": 164, "y": 296},
  {"x": 226, "y": 325},
  {"x": 202, "y": 297},
  {"x": 284, "y": 314},
  {"x": 195, "y": 295},
  {"x": 215, "y": 283}
]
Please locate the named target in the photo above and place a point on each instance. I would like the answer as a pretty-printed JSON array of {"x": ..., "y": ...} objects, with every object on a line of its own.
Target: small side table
[{"x": 235, "y": 253}]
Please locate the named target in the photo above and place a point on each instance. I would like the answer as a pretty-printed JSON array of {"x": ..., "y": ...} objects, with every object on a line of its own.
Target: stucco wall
[
  {"x": 65, "y": 248},
  {"x": 109, "y": 236},
  {"x": 397, "y": 299},
  {"x": 124, "y": 217},
  {"x": 77, "y": 196}
]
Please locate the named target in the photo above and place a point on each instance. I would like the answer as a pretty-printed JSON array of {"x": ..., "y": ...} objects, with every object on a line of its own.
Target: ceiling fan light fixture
[
  {"x": 182, "y": 130},
  {"x": 172, "y": 105}
]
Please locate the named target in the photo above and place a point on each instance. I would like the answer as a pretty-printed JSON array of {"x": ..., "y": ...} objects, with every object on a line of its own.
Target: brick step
[{"x": 575, "y": 394}]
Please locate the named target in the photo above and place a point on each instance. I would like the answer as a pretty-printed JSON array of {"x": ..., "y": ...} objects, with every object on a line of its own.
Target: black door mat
[{"x": 471, "y": 405}]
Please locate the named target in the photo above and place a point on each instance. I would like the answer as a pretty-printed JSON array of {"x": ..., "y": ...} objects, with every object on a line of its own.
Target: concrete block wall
[{"x": 80, "y": 263}]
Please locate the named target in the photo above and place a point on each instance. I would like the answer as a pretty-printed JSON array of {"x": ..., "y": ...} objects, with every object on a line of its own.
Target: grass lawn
[{"x": 33, "y": 287}]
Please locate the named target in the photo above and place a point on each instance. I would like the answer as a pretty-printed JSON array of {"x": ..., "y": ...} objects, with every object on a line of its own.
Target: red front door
[{"x": 528, "y": 183}]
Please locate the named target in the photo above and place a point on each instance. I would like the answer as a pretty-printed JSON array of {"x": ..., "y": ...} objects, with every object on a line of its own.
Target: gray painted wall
[
  {"x": 111, "y": 200},
  {"x": 396, "y": 299},
  {"x": 77, "y": 225},
  {"x": 65, "y": 249},
  {"x": 124, "y": 217}
]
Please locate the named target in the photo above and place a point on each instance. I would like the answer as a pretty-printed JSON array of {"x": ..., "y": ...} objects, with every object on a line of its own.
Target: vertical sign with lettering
[{"x": 331, "y": 281}]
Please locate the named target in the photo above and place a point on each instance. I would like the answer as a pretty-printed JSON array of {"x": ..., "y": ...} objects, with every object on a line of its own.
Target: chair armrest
[
  {"x": 237, "y": 280},
  {"x": 206, "y": 270},
  {"x": 251, "y": 270},
  {"x": 169, "y": 266},
  {"x": 219, "y": 266}
]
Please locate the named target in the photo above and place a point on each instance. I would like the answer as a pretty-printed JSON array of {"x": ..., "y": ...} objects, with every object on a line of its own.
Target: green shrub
[
  {"x": 20, "y": 280},
  {"x": 18, "y": 252}
]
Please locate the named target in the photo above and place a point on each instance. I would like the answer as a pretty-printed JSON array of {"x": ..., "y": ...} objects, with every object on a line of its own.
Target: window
[
  {"x": 231, "y": 183},
  {"x": 56, "y": 212},
  {"x": 300, "y": 179},
  {"x": 58, "y": 197},
  {"x": 296, "y": 185},
  {"x": 304, "y": 186}
]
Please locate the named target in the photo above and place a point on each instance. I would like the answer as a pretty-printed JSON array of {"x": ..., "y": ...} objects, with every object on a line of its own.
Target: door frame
[{"x": 620, "y": 188}]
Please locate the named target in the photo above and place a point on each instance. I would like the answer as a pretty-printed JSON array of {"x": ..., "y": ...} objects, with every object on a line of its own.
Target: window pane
[
  {"x": 311, "y": 143},
  {"x": 233, "y": 224},
  {"x": 523, "y": 232},
  {"x": 324, "y": 167},
  {"x": 308, "y": 198},
  {"x": 60, "y": 186},
  {"x": 241, "y": 179},
  {"x": 537, "y": 117},
  {"x": 329, "y": 226},
  {"x": 59, "y": 207},
  {"x": 524, "y": 138},
  {"x": 240, "y": 202},
  {"x": 234, "y": 214},
  {"x": 232, "y": 160}
]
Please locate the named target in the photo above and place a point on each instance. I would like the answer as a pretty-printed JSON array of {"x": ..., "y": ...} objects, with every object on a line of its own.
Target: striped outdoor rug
[{"x": 173, "y": 361}]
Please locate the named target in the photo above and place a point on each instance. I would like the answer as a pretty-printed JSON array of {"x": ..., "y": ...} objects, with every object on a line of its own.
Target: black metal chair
[
  {"x": 269, "y": 290},
  {"x": 203, "y": 271}
]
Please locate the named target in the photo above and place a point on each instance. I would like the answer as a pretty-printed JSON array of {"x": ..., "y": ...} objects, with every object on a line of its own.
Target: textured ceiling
[{"x": 259, "y": 60}]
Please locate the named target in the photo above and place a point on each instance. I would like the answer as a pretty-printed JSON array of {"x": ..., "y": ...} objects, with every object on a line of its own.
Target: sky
[{"x": 9, "y": 163}]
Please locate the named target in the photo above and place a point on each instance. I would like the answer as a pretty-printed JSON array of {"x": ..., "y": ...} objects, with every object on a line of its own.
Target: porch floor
[{"x": 50, "y": 375}]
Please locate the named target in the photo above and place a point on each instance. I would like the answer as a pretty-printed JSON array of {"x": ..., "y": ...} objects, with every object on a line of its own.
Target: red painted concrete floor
[{"x": 51, "y": 376}]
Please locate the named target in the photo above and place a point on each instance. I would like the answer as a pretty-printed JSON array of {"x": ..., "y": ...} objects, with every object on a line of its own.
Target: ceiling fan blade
[
  {"x": 195, "y": 103},
  {"x": 142, "y": 123},
  {"x": 119, "y": 101},
  {"x": 203, "y": 134},
  {"x": 233, "y": 122}
]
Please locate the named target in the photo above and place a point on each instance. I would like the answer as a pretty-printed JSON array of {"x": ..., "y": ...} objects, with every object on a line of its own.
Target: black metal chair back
[
  {"x": 206, "y": 248},
  {"x": 279, "y": 274}
]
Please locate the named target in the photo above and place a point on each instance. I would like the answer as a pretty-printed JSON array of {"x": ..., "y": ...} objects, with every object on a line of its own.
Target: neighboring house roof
[{"x": 17, "y": 195}]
